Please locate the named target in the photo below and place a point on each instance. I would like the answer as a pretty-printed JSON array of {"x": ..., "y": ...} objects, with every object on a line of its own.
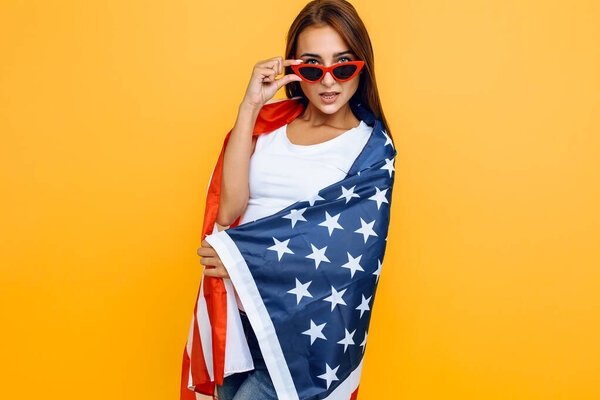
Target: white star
[
  {"x": 331, "y": 222},
  {"x": 364, "y": 305},
  {"x": 318, "y": 255},
  {"x": 347, "y": 339},
  {"x": 348, "y": 193},
  {"x": 364, "y": 342},
  {"x": 329, "y": 374},
  {"x": 315, "y": 331},
  {"x": 389, "y": 165},
  {"x": 388, "y": 140},
  {"x": 379, "y": 197},
  {"x": 378, "y": 272},
  {"x": 353, "y": 264},
  {"x": 301, "y": 290},
  {"x": 366, "y": 229},
  {"x": 280, "y": 248},
  {"x": 314, "y": 198},
  {"x": 296, "y": 215},
  {"x": 335, "y": 298}
]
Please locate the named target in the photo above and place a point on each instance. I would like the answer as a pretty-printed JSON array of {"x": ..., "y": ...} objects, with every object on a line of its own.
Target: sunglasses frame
[{"x": 359, "y": 65}]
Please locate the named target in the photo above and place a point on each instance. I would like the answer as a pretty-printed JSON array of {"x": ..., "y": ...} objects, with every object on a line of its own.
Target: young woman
[{"x": 266, "y": 173}]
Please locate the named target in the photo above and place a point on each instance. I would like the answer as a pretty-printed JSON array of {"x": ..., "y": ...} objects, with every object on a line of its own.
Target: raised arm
[{"x": 262, "y": 87}]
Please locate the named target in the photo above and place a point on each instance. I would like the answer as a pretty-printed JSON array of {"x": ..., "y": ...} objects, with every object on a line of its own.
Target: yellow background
[{"x": 112, "y": 114}]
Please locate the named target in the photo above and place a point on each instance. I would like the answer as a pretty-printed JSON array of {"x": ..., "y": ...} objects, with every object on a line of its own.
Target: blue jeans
[{"x": 249, "y": 385}]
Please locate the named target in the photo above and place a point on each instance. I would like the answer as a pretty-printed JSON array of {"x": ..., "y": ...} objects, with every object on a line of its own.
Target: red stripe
[{"x": 186, "y": 394}]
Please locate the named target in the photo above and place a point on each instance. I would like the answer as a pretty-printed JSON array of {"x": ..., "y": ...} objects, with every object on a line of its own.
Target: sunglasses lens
[
  {"x": 311, "y": 73},
  {"x": 344, "y": 71}
]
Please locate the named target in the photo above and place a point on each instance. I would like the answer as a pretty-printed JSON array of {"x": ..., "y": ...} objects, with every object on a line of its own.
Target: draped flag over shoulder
[{"x": 306, "y": 276}]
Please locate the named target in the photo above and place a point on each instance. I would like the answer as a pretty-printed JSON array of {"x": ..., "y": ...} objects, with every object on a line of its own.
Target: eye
[
  {"x": 309, "y": 61},
  {"x": 347, "y": 58}
]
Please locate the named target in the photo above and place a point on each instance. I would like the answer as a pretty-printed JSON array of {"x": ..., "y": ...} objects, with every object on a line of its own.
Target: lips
[{"x": 329, "y": 97}]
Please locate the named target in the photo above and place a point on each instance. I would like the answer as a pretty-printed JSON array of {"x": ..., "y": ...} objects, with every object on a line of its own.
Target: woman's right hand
[{"x": 263, "y": 85}]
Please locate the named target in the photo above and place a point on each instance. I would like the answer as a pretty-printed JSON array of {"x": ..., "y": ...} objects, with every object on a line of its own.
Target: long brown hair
[{"x": 341, "y": 16}]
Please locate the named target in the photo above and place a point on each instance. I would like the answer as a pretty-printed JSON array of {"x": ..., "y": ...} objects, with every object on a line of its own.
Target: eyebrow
[{"x": 335, "y": 55}]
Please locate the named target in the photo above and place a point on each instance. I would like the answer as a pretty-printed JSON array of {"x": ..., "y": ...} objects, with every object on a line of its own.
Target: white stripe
[
  {"x": 210, "y": 180},
  {"x": 237, "y": 353},
  {"x": 257, "y": 314},
  {"x": 188, "y": 345},
  {"x": 188, "y": 349},
  {"x": 348, "y": 386},
  {"x": 205, "y": 331}
]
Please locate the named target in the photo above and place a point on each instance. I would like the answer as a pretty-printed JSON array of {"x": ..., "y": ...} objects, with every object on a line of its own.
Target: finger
[
  {"x": 206, "y": 251},
  {"x": 212, "y": 272},
  {"x": 204, "y": 243},
  {"x": 287, "y": 79},
  {"x": 275, "y": 65},
  {"x": 268, "y": 63},
  {"x": 292, "y": 62},
  {"x": 262, "y": 63},
  {"x": 213, "y": 260},
  {"x": 209, "y": 261},
  {"x": 266, "y": 73},
  {"x": 282, "y": 63},
  {"x": 216, "y": 272}
]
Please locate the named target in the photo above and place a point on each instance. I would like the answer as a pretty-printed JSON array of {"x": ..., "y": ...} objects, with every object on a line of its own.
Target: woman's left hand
[{"x": 208, "y": 256}]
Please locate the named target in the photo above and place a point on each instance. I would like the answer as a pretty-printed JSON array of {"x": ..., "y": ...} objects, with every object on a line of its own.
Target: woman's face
[{"x": 322, "y": 45}]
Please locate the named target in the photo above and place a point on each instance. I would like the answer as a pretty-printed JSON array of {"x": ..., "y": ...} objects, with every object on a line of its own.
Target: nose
[{"x": 328, "y": 79}]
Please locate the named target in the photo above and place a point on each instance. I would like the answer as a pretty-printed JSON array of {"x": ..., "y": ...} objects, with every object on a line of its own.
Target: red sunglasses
[{"x": 341, "y": 72}]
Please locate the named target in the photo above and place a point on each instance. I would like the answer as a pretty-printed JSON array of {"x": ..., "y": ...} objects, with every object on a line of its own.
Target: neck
[{"x": 342, "y": 118}]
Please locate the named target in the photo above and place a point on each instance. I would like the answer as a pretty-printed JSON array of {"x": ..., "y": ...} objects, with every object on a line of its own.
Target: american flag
[{"x": 307, "y": 277}]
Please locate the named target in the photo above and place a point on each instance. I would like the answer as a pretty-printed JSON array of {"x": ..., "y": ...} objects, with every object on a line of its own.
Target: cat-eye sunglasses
[{"x": 341, "y": 72}]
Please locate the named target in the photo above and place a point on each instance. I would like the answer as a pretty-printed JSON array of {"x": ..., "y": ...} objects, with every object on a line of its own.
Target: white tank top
[{"x": 282, "y": 173}]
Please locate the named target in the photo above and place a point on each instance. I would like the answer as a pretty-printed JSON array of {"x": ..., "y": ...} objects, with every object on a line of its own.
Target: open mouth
[{"x": 329, "y": 97}]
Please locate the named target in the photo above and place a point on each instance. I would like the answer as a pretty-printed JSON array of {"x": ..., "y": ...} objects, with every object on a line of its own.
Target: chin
[{"x": 328, "y": 108}]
